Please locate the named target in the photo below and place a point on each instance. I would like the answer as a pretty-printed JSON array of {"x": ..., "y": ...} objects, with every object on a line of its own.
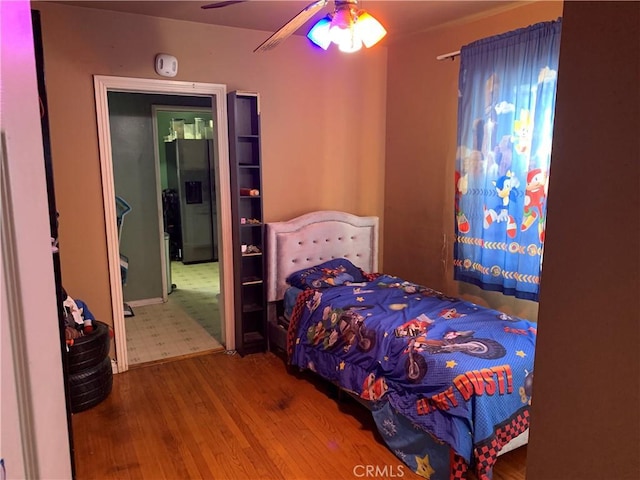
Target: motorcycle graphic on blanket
[
  {"x": 344, "y": 324},
  {"x": 352, "y": 328},
  {"x": 454, "y": 341}
]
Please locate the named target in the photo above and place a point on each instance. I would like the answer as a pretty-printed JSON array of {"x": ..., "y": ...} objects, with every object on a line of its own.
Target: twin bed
[{"x": 448, "y": 382}]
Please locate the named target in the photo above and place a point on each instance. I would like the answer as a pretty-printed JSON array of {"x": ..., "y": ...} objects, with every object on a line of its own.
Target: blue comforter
[{"x": 459, "y": 372}]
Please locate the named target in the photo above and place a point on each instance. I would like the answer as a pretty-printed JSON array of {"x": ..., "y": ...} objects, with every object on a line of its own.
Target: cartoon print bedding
[{"x": 458, "y": 372}]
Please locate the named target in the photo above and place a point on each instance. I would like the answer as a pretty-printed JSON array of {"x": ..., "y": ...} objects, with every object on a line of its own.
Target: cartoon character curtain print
[{"x": 507, "y": 90}]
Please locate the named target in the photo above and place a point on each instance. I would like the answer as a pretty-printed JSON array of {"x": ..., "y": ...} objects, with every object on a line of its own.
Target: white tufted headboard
[{"x": 314, "y": 238}]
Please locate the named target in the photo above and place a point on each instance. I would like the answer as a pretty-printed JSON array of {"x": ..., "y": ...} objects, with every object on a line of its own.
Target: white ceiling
[{"x": 400, "y": 17}]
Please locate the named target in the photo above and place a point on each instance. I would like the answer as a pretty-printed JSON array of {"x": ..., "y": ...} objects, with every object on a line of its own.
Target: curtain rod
[{"x": 450, "y": 55}]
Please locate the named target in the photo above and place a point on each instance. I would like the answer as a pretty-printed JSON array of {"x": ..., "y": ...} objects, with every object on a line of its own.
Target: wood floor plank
[
  {"x": 185, "y": 461},
  {"x": 261, "y": 450},
  {"x": 205, "y": 417},
  {"x": 219, "y": 416}
]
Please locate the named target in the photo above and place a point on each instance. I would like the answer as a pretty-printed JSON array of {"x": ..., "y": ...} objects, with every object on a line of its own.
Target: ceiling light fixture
[{"x": 348, "y": 27}]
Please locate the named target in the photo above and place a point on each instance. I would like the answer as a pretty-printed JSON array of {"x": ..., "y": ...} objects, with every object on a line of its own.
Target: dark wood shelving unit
[{"x": 248, "y": 223}]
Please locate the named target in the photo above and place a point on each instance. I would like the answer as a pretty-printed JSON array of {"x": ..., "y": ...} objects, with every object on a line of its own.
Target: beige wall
[
  {"x": 323, "y": 120},
  {"x": 421, "y": 146},
  {"x": 585, "y": 417},
  {"x": 34, "y": 439},
  {"x": 586, "y": 407}
]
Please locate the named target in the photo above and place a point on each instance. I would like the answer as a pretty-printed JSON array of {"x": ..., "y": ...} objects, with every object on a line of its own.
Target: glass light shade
[
  {"x": 351, "y": 43},
  {"x": 341, "y": 26},
  {"x": 319, "y": 34},
  {"x": 343, "y": 18},
  {"x": 369, "y": 29},
  {"x": 348, "y": 29},
  {"x": 340, "y": 35}
]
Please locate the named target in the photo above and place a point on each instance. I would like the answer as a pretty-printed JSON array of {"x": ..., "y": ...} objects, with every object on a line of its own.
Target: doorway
[
  {"x": 168, "y": 187},
  {"x": 216, "y": 96},
  {"x": 186, "y": 159}
]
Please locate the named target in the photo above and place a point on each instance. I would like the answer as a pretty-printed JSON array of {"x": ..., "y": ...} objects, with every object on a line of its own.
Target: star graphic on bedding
[
  {"x": 360, "y": 299},
  {"x": 400, "y": 454},
  {"x": 424, "y": 468},
  {"x": 342, "y": 365},
  {"x": 451, "y": 364},
  {"x": 521, "y": 354},
  {"x": 389, "y": 427}
]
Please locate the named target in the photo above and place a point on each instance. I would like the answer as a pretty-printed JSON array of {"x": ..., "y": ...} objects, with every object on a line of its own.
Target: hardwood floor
[{"x": 227, "y": 417}]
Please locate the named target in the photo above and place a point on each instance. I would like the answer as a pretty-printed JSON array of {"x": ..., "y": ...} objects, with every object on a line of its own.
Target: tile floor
[{"x": 188, "y": 323}]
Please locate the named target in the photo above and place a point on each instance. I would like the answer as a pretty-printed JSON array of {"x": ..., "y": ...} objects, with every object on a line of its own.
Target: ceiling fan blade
[
  {"x": 291, "y": 26},
  {"x": 222, "y": 4}
]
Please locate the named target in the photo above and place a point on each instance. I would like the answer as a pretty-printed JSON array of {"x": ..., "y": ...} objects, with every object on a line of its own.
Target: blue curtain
[{"x": 507, "y": 90}]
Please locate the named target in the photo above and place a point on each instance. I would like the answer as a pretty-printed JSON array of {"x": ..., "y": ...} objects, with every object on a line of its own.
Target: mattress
[
  {"x": 290, "y": 297},
  {"x": 279, "y": 324}
]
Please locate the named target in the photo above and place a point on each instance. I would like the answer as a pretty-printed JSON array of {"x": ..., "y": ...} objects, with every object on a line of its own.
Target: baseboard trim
[{"x": 145, "y": 302}]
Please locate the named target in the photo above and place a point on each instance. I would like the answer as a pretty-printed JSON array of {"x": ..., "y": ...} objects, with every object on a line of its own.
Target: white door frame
[{"x": 104, "y": 84}]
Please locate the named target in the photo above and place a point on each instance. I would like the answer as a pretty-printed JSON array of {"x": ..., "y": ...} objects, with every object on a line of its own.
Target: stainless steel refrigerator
[{"x": 190, "y": 174}]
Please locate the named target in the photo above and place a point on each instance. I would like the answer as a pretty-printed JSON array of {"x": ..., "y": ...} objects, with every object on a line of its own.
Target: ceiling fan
[
  {"x": 222, "y": 4},
  {"x": 348, "y": 26}
]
